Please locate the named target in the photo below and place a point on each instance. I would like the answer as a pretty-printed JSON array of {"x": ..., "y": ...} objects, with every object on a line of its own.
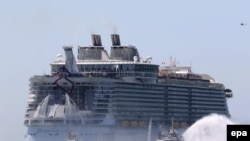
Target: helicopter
[{"x": 243, "y": 24}]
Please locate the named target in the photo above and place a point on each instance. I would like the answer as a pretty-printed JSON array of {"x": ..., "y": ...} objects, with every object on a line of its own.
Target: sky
[{"x": 206, "y": 35}]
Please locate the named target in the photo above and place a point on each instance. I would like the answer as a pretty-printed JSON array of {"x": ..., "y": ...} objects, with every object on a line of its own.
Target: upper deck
[{"x": 95, "y": 61}]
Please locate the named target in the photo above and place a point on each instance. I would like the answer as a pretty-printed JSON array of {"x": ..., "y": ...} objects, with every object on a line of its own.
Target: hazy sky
[{"x": 206, "y": 33}]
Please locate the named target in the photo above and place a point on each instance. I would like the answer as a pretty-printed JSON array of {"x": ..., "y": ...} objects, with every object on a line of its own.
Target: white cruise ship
[{"x": 102, "y": 97}]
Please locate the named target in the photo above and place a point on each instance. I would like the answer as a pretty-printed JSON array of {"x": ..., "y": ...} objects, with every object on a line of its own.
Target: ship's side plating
[{"x": 102, "y": 97}]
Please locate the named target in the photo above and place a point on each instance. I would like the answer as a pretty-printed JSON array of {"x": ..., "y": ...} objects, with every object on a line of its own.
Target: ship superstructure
[{"x": 102, "y": 97}]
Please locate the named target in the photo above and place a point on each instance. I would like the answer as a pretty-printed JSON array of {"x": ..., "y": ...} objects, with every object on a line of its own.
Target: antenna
[
  {"x": 170, "y": 61},
  {"x": 149, "y": 129},
  {"x": 172, "y": 123}
]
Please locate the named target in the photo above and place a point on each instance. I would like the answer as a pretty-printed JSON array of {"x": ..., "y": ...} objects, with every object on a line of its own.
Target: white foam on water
[{"x": 210, "y": 128}]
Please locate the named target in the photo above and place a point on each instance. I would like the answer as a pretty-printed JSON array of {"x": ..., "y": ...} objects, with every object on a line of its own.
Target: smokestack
[
  {"x": 115, "y": 40},
  {"x": 96, "y": 40}
]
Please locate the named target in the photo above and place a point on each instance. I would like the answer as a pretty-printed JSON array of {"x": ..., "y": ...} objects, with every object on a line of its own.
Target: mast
[
  {"x": 172, "y": 123},
  {"x": 149, "y": 129}
]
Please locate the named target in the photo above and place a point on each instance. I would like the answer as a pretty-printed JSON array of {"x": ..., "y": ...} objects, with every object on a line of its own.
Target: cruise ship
[{"x": 112, "y": 97}]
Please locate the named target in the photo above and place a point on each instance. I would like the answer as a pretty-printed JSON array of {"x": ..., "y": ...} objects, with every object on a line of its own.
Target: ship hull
[{"x": 88, "y": 133}]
